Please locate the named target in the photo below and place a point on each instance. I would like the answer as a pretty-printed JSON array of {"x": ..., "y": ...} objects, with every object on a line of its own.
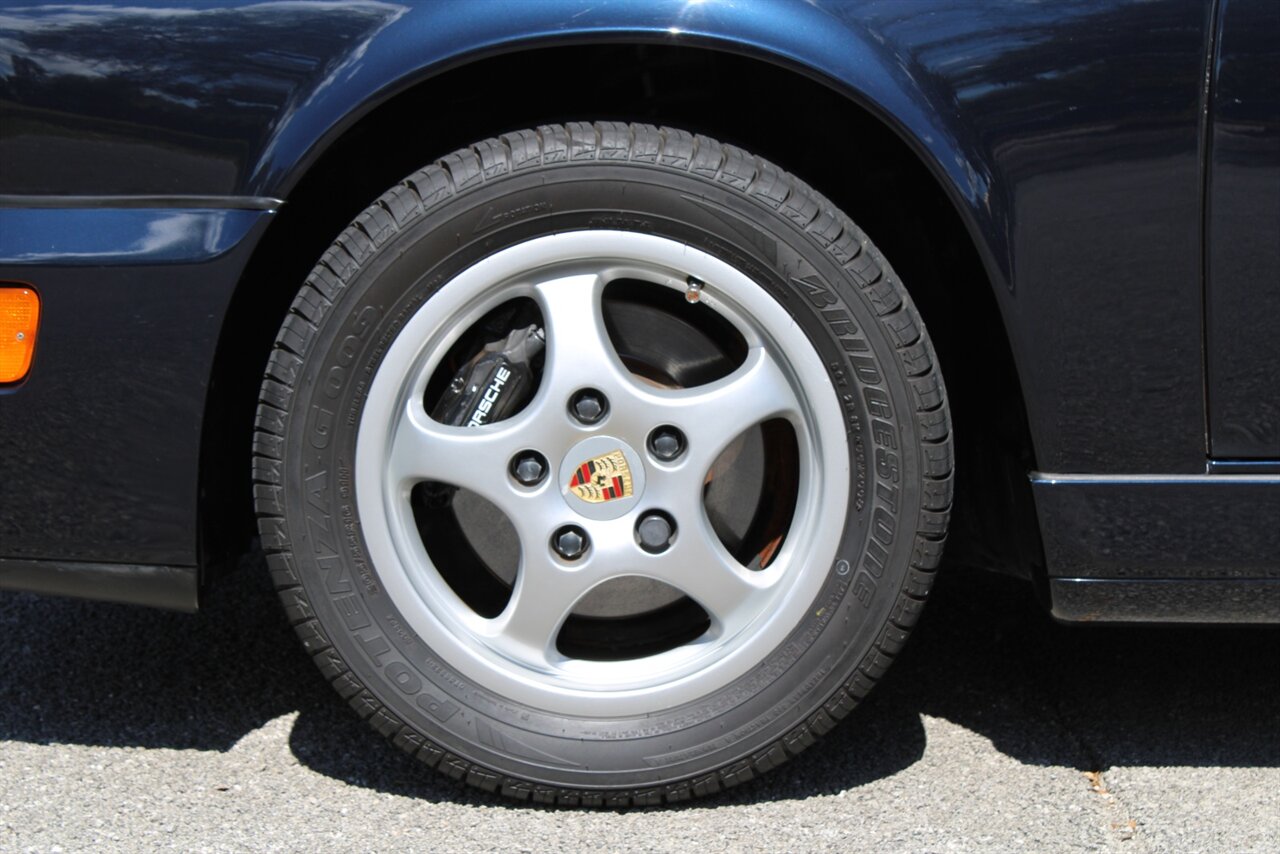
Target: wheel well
[{"x": 852, "y": 157}]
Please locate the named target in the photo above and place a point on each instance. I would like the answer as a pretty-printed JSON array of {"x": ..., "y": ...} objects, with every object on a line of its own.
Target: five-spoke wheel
[{"x": 631, "y": 459}]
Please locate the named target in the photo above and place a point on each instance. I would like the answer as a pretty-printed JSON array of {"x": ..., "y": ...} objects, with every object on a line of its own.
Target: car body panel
[
  {"x": 1243, "y": 234},
  {"x": 101, "y": 443},
  {"x": 1069, "y": 134},
  {"x": 120, "y": 237},
  {"x": 1066, "y": 132},
  {"x": 1180, "y": 548}
]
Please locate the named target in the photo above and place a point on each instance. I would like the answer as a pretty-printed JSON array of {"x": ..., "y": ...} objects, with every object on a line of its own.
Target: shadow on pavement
[{"x": 985, "y": 657}]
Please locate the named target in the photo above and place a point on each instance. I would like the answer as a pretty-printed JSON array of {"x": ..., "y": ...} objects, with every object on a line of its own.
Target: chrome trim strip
[{"x": 1049, "y": 478}]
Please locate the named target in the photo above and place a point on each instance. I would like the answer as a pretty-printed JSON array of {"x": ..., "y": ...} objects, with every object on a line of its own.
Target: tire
[{"x": 687, "y": 284}]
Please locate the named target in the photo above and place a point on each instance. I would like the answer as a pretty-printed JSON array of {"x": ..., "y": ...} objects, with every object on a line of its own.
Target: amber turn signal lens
[{"x": 19, "y": 316}]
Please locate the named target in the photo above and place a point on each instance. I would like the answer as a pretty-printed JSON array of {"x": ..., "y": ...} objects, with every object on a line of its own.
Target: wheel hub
[{"x": 602, "y": 478}]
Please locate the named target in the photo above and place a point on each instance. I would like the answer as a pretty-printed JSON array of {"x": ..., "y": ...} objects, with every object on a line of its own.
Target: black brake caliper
[
  {"x": 491, "y": 386},
  {"x": 495, "y": 383}
]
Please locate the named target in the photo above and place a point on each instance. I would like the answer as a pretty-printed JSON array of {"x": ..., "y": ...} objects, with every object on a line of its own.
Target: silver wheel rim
[{"x": 514, "y": 654}]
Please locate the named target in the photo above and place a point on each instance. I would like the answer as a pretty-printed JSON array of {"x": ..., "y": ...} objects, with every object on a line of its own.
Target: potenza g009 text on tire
[{"x": 602, "y": 464}]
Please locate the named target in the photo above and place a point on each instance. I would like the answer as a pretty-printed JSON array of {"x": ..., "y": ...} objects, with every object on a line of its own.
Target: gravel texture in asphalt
[{"x": 124, "y": 729}]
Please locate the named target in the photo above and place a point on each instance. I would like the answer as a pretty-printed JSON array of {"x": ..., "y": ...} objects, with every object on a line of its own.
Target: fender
[
  {"x": 1067, "y": 139},
  {"x": 827, "y": 41},
  {"x": 1067, "y": 136}
]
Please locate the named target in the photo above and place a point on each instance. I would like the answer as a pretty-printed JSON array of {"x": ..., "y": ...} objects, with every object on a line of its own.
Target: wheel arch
[{"x": 930, "y": 219}]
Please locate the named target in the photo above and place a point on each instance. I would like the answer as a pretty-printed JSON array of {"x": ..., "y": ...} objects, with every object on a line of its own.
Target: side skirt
[
  {"x": 1165, "y": 600},
  {"x": 171, "y": 587},
  {"x": 1178, "y": 548}
]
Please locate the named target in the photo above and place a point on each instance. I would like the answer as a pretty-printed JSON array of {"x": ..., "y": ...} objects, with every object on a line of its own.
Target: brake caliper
[{"x": 495, "y": 383}]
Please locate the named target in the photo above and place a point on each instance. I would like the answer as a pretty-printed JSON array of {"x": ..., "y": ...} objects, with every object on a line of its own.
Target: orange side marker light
[{"x": 19, "y": 319}]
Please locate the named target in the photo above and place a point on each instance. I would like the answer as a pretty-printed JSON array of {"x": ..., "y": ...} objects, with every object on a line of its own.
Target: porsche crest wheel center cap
[{"x": 602, "y": 477}]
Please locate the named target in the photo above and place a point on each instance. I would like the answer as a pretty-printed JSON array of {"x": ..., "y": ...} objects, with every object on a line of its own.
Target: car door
[{"x": 1243, "y": 238}]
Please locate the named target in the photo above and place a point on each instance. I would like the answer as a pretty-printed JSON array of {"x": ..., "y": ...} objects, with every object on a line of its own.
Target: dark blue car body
[{"x": 1088, "y": 192}]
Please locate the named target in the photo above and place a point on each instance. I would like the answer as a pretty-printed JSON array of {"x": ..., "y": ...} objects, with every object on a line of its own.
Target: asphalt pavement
[{"x": 125, "y": 729}]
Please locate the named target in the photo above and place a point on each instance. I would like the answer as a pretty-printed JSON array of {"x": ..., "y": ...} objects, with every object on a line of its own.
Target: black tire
[{"x": 802, "y": 252}]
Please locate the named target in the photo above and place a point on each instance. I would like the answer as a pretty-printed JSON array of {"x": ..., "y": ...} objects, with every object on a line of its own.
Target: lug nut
[
  {"x": 529, "y": 468},
  {"x": 655, "y": 531},
  {"x": 666, "y": 443},
  {"x": 588, "y": 405},
  {"x": 570, "y": 542}
]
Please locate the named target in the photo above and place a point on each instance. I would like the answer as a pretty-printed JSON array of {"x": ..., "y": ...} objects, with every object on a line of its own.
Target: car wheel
[{"x": 602, "y": 464}]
